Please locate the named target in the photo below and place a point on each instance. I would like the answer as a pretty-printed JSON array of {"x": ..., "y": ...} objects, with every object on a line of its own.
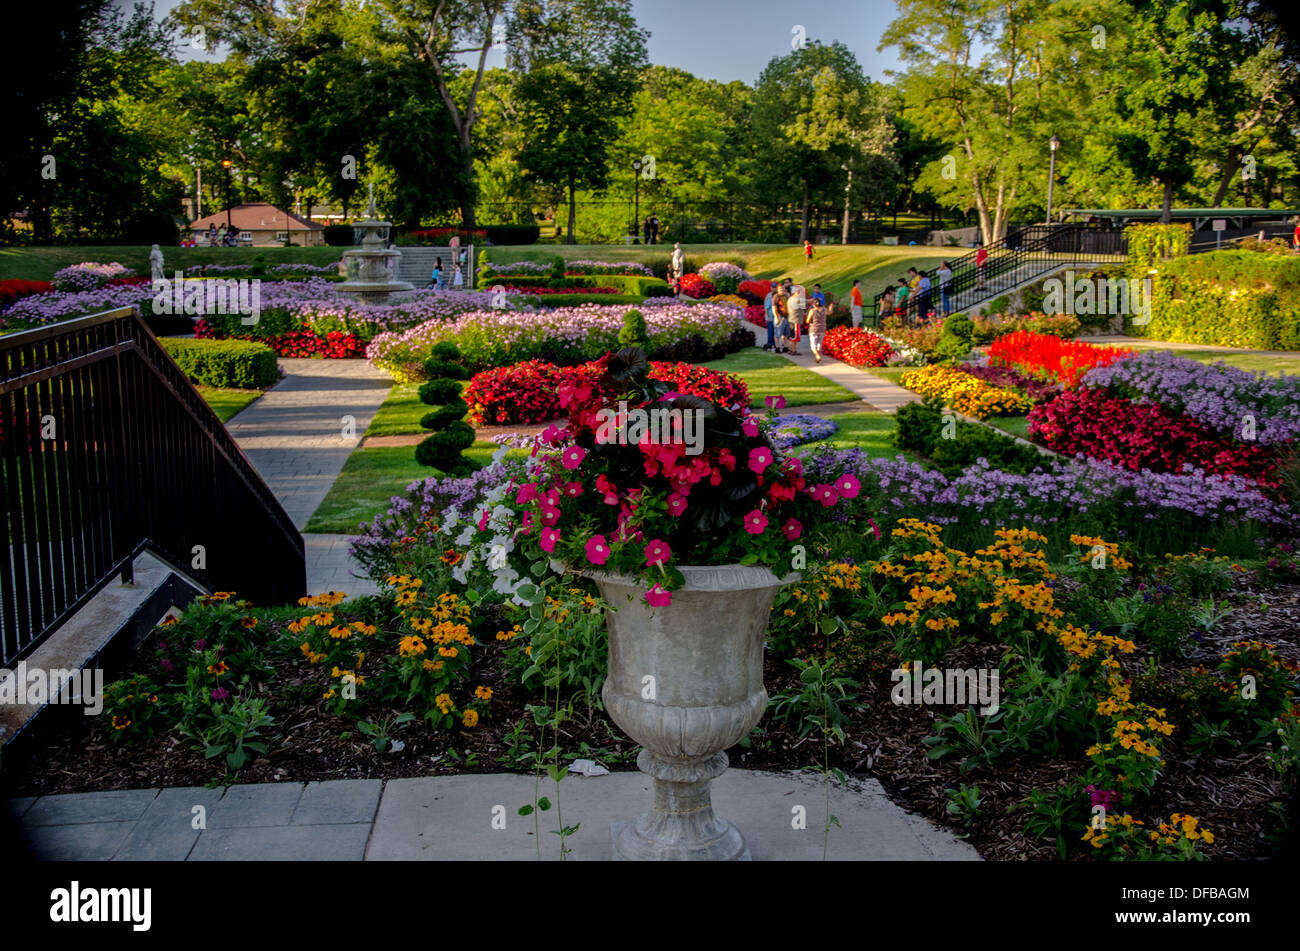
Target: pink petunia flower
[
  {"x": 597, "y": 550},
  {"x": 527, "y": 493},
  {"x": 760, "y": 458},
  {"x": 756, "y": 522},
  {"x": 573, "y": 457},
  {"x": 775, "y": 402},
  {"x": 792, "y": 529},
  {"x": 548, "y": 539},
  {"x": 572, "y": 489},
  {"x": 676, "y": 504},
  {"x": 657, "y": 597},
  {"x": 657, "y": 552},
  {"x": 875, "y": 529},
  {"x": 749, "y": 426},
  {"x": 847, "y": 486}
]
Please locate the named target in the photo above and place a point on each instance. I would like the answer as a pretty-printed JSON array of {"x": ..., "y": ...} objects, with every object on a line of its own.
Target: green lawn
[
  {"x": 768, "y": 373},
  {"x": 370, "y": 479},
  {"x": 871, "y": 432},
  {"x": 227, "y": 402},
  {"x": 401, "y": 413},
  {"x": 892, "y": 374},
  {"x": 1014, "y": 425},
  {"x": 833, "y": 266},
  {"x": 40, "y": 263}
]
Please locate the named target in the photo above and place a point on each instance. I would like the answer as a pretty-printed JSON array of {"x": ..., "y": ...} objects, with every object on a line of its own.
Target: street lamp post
[
  {"x": 636, "y": 188},
  {"x": 848, "y": 191},
  {"x": 226, "y": 163},
  {"x": 1055, "y": 143}
]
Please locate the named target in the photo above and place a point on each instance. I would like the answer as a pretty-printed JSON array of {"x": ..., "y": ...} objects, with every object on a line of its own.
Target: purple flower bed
[
  {"x": 799, "y": 428},
  {"x": 1217, "y": 396},
  {"x": 1009, "y": 378},
  {"x": 88, "y": 275}
]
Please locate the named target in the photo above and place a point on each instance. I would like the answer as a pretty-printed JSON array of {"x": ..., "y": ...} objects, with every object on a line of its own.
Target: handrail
[
  {"x": 107, "y": 450},
  {"x": 1025, "y": 253}
]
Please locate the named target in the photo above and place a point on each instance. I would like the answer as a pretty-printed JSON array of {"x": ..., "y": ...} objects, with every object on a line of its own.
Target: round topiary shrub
[
  {"x": 442, "y": 449},
  {"x": 959, "y": 325},
  {"x": 634, "y": 333}
]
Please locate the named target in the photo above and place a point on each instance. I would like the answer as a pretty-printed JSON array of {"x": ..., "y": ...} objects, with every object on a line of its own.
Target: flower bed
[
  {"x": 1007, "y": 378},
  {"x": 724, "y": 275},
  {"x": 786, "y": 432},
  {"x": 755, "y": 292},
  {"x": 529, "y": 392},
  {"x": 1144, "y": 436},
  {"x": 1048, "y": 357},
  {"x": 88, "y": 275},
  {"x": 756, "y": 314},
  {"x": 332, "y": 344},
  {"x": 735, "y": 300},
  {"x": 1219, "y": 397},
  {"x": 964, "y": 392},
  {"x": 545, "y": 291},
  {"x": 697, "y": 287},
  {"x": 925, "y": 335},
  {"x": 569, "y": 335},
  {"x": 16, "y": 288},
  {"x": 857, "y": 347}
]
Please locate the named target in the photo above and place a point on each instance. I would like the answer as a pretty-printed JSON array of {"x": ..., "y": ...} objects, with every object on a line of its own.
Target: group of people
[
  {"x": 792, "y": 312},
  {"x": 913, "y": 296},
  {"x": 650, "y": 228},
  {"x": 438, "y": 279},
  {"x": 214, "y": 237}
]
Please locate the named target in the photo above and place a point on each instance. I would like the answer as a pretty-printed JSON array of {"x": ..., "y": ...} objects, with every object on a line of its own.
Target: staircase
[
  {"x": 1024, "y": 255},
  {"x": 416, "y": 265}
]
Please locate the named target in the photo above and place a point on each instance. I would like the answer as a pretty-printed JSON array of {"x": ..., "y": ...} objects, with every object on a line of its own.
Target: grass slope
[
  {"x": 227, "y": 402},
  {"x": 767, "y": 373}
]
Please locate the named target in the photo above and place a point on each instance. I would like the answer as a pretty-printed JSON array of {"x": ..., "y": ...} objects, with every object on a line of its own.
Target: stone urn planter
[{"x": 686, "y": 682}]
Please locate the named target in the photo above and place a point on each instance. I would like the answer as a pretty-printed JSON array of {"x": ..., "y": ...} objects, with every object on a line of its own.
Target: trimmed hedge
[
  {"x": 954, "y": 445},
  {"x": 226, "y": 364},
  {"x": 1226, "y": 298}
]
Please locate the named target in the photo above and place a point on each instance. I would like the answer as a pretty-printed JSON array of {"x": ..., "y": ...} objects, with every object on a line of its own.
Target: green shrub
[
  {"x": 953, "y": 445},
  {"x": 634, "y": 333},
  {"x": 1226, "y": 298},
  {"x": 557, "y": 268},
  {"x": 442, "y": 449},
  {"x": 1153, "y": 245},
  {"x": 227, "y": 364}
]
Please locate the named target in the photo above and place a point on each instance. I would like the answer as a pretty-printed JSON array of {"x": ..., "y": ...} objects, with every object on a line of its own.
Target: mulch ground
[{"x": 1236, "y": 795}]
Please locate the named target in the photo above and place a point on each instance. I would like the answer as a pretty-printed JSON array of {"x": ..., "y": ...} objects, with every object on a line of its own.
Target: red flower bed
[
  {"x": 432, "y": 234},
  {"x": 1140, "y": 436},
  {"x": 756, "y": 315},
  {"x": 754, "y": 291},
  {"x": 15, "y": 288},
  {"x": 334, "y": 345},
  {"x": 529, "y": 392},
  {"x": 698, "y": 287},
  {"x": 561, "y": 290},
  {"x": 1045, "y": 356},
  {"x": 128, "y": 281},
  {"x": 856, "y": 347}
]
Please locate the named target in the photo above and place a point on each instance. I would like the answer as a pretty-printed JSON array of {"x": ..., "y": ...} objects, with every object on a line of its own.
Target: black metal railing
[
  {"x": 107, "y": 450},
  {"x": 1024, "y": 254}
]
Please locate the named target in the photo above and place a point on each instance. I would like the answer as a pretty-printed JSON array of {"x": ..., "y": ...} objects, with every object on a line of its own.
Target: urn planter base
[{"x": 681, "y": 826}]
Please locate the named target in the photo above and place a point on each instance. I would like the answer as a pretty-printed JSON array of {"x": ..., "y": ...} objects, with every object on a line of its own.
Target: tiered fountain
[{"x": 370, "y": 268}]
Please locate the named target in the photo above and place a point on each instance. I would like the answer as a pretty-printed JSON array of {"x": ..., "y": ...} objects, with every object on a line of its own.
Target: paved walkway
[
  {"x": 450, "y": 818},
  {"x": 884, "y": 396},
  {"x": 299, "y": 435}
]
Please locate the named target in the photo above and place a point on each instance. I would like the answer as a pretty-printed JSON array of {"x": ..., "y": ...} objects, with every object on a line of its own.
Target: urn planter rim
[{"x": 732, "y": 577}]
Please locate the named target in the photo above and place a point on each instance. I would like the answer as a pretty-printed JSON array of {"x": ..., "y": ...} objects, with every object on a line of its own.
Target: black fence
[
  {"x": 1025, "y": 253},
  {"x": 106, "y": 451}
]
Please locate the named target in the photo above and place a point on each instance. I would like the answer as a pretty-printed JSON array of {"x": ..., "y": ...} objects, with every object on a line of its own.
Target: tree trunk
[
  {"x": 467, "y": 188},
  {"x": 1167, "y": 204},
  {"x": 1226, "y": 180},
  {"x": 803, "y": 216},
  {"x": 573, "y": 213}
]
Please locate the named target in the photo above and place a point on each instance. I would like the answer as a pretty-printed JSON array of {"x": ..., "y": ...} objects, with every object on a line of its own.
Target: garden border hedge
[{"x": 225, "y": 364}]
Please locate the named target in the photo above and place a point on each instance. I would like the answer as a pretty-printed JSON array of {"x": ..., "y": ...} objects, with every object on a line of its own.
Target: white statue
[
  {"x": 679, "y": 261},
  {"x": 156, "y": 263}
]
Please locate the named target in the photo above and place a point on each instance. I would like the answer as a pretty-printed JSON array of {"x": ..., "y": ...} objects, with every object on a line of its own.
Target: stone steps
[{"x": 416, "y": 264}]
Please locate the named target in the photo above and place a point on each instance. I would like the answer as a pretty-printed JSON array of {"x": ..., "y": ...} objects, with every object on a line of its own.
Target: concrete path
[
  {"x": 298, "y": 437},
  {"x": 450, "y": 818},
  {"x": 884, "y": 396}
]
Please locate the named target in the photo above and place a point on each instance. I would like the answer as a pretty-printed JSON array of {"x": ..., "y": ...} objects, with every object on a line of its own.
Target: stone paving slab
[
  {"x": 323, "y": 843},
  {"x": 331, "y": 568},
  {"x": 451, "y": 818},
  {"x": 884, "y": 396}
]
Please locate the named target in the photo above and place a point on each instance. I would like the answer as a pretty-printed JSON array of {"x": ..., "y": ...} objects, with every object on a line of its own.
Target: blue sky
[{"x": 735, "y": 39}]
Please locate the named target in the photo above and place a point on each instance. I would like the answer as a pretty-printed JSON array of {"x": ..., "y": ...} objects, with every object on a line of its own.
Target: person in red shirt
[
  {"x": 981, "y": 263},
  {"x": 1296, "y": 240},
  {"x": 807, "y": 251},
  {"x": 855, "y": 303}
]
